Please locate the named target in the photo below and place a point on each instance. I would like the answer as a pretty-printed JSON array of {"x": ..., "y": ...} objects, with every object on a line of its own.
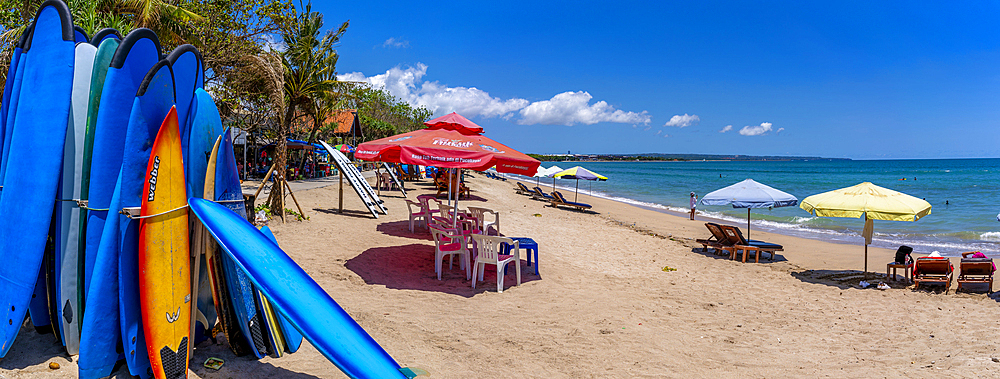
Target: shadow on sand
[
  {"x": 402, "y": 229},
  {"x": 711, "y": 253},
  {"x": 347, "y": 212},
  {"x": 845, "y": 279},
  {"x": 411, "y": 267}
]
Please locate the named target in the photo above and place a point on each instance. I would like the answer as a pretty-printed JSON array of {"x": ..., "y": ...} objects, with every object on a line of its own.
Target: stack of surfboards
[{"x": 123, "y": 232}]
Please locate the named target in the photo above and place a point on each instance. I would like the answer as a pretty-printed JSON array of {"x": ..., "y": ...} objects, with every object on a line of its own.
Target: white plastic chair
[
  {"x": 480, "y": 215},
  {"x": 425, "y": 203},
  {"x": 448, "y": 242},
  {"x": 489, "y": 251},
  {"x": 419, "y": 215}
]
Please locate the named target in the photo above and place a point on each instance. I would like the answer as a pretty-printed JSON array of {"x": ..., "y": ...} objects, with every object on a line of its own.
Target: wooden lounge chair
[
  {"x": 442, "y": 187},
  {"x": 975, "y": 270},
  {"x": 746, "y": 246},
  {"x": 558, "y": 200},
  {"x": 521, "y": 189},
  {"x": 717, "y": 241},
  {"x": 538, "y": 194},
  {"x": 932, "y": 270}
]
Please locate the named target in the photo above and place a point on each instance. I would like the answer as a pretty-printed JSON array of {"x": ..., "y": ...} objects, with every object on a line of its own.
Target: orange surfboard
[{"x": 164, "y": 257}]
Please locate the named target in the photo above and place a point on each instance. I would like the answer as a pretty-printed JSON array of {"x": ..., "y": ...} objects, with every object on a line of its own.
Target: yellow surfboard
[{"x": 164, "y": 256}]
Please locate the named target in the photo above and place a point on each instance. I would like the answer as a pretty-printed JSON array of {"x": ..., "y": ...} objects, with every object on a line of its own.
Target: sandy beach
[{"x": 603, "y": 306}]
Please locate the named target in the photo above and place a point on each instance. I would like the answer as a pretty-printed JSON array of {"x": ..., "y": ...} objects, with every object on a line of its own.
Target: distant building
[{"x": 348, "y": 126}]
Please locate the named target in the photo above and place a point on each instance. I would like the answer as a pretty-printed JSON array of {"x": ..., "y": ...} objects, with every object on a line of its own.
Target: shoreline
[{"x": 883, "y": 241}]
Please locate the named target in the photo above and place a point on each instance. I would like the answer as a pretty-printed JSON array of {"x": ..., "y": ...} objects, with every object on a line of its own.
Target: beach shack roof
[{"x": 347, "y": 123}]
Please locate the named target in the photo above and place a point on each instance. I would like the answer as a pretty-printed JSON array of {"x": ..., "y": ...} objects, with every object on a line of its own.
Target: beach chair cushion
[
  {"x": 765, "y": 245},
  {"x": 539, "y": 192}
]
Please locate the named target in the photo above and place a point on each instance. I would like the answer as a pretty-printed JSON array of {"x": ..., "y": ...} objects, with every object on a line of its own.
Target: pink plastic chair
[{"x": 448, "y": 242}]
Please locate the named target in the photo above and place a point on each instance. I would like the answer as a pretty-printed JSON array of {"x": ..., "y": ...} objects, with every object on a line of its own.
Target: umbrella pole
[
  {"x": 748, "y": 224},
  {"x": 454, "y": 210},
  {"x": 576, "y": 197},
  {"x": 866, "y": 261}
]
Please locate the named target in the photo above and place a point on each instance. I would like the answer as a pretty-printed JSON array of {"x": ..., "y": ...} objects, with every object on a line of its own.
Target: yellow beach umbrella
[
  {"x": 579, "y": 173},
  {"x": 868, "y": 200}
]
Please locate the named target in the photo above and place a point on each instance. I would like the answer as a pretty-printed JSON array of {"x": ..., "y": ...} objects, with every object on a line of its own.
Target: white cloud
[
  {"x": 396, "y": 42},
  {"x": 756, "y": 130},
  {"x": 567, "y": 108},
  {"x": 439, "y": 99},
  {"x": 570, "y": 108},
  {"x": 658, "y": 132},
  {"x": 681, "y": 121},
  {"x": 647, "y": 128},
  {"x": 274, "y": 42},
  {"x": 726, "y": 129},
  {"x": 779, "y": 130}
]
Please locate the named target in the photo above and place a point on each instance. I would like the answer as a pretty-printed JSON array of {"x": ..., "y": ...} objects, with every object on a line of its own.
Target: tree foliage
[{"x": 381, "y": 114}]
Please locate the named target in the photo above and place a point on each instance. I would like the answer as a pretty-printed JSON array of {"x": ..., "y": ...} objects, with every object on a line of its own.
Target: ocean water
[{"x": 963, "y": 194}]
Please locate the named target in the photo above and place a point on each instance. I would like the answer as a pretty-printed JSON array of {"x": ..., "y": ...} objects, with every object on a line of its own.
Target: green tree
[{"x": 309, "y": 73}]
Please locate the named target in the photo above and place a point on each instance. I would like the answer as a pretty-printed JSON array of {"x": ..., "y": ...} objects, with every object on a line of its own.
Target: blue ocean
[{"x": 963, "y": 194}]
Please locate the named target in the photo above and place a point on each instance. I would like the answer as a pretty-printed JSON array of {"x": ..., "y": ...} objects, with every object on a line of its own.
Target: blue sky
[{"x": 857, "y": 80}]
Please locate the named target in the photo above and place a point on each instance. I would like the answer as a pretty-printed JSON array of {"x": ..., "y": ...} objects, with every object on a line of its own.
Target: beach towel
[{"x": 868, "y": 231}]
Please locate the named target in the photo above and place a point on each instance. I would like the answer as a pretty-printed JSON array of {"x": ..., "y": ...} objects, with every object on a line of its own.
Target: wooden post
[
  {"x": 341, "y": 171},
  {"x": 295, "y": 200},
  {"x": 268, "y": 175},
  {"x": 281, "y": 198}
]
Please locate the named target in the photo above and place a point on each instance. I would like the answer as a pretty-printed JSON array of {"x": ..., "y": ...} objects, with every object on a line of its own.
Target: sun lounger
[
  {"x": 442, "y": 187},
  {"x": 717, "y": 241},
  {"x": 558, "y": 200},
  {"x": 740, "y": 243},
  {"x": 933, "y": 270},
  {"x": 977, "y": 269},
  {"x": 537, "y": 194},
  {"x": 521, "y": 189}
]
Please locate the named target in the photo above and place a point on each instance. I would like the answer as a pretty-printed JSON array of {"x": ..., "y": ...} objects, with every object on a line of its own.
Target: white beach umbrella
[{"x": 749, "y": 194}]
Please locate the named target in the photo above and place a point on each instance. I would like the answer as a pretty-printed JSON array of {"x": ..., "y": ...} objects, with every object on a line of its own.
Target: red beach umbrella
[
  {"x": 449, "y": 149},
  {"x": 444, "y": 145},
  {"x": 455, "y": 121}
]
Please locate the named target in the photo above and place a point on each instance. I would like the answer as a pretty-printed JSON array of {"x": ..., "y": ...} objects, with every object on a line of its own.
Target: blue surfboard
[
  {"x": 36, "y": 152},
  {"x": 80, "y": 35},
  {"x": 38, "y": 305},
  {"x": 8, "y": 86},
  {"x": 293, "y": 339},
  {"x": 15, "y": 94},
  {"x": 136, "y": 54},
  {"x": 104, "y": 34},
  {"x": 189, "y": 75},
  {"x": 152, "y": 104},
  {"x": 105, "y": 52},
  {"x": 241, "y": 289},
  {"x": 296, "y": 295}
]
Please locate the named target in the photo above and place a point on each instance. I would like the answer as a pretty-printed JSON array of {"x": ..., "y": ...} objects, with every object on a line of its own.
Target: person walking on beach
[{"x": 694, "y": 202}]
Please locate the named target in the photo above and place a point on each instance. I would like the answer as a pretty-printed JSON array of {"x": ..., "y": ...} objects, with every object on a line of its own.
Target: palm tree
[
  {"x": 309, "y": 74},
  {"x": 170, "y": 22}
]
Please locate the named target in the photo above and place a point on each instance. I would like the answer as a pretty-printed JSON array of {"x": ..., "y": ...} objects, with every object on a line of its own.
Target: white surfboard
[
  {"x": 69, "y": 216},
  {"x": 350, "y": 172}
]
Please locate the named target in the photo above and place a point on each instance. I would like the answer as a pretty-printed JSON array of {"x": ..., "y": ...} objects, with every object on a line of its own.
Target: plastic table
[{"x": 528, "y": 244}]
